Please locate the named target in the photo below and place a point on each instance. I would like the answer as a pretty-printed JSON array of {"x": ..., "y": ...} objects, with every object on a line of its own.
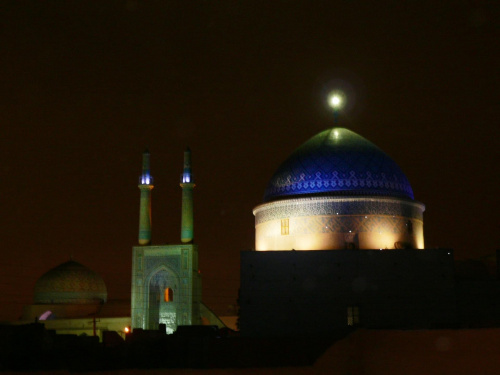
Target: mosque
[
  {"x": 338, "y": 191},
  {"x": 339, "y": 243},
  {"x": 166, "y": 283}
]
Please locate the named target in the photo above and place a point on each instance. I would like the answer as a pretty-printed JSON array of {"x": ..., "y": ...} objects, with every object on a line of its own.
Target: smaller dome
[{"x": 70, "y": 283}]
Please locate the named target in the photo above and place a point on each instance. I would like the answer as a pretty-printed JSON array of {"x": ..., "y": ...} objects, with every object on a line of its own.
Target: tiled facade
[{"x": 156, "y": 268}]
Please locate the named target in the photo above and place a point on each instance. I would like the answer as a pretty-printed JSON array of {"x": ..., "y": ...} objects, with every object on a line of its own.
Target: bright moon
[{"x": 335, "y": 101}]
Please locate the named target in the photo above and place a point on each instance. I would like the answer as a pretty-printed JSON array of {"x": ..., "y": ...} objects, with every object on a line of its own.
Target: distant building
[{"x": 73, "y": 299}]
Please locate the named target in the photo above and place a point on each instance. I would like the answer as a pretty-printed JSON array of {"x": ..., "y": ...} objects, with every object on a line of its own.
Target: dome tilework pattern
[
  {"x": 70, "y": 282},
  {"x": 338, "y": 162}
]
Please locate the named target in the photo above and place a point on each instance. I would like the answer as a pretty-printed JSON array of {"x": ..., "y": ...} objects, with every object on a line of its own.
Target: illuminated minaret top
[
  {"x": 145, "y": 186},
  {"x": 146, "y": 178},
  {"x": 187, "y": 185},
  {"x": 186, "y": 174}
]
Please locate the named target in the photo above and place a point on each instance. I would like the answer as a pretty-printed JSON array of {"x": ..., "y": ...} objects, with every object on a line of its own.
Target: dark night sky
[{"x": 85, "y": 86}]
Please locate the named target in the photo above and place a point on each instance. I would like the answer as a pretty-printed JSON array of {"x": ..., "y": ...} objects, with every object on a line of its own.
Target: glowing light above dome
[{"x": 336, "y": 100}]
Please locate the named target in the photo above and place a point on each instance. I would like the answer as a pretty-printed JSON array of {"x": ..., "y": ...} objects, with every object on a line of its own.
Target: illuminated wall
[{"x": 327, "y": 223}]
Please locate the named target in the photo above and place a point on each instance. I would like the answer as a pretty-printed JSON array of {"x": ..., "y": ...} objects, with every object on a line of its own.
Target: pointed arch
[
  {"x": 161, "y": 285},
  {"x": 159, "y": 269}
]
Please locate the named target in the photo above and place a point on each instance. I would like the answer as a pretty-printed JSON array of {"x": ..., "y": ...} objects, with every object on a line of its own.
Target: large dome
[
  {"x": 70, "y": 283},
  {"x": 338, "y": 162}
]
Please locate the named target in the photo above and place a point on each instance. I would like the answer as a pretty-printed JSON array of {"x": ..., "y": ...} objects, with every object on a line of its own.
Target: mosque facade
[{"x": 166, "y": 283}]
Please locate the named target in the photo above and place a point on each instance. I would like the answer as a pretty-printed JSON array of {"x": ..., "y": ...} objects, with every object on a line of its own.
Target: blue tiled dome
[{"x": 338, "y": 162}]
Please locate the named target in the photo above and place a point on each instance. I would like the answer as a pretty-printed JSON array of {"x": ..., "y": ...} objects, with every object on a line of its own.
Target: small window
[
  {"x": 285, "y": 227},
  {"x": 352, "y": 316},
  {"x": 169, "y": 295}
]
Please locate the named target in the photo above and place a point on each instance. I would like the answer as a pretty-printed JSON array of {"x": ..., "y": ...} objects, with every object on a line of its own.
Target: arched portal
[{"x": 163, "y": 283}]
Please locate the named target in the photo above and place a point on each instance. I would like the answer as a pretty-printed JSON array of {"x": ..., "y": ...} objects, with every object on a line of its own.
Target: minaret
[
  {"x": 187, "y": 185},
  {"x": 145, "y": 186}
]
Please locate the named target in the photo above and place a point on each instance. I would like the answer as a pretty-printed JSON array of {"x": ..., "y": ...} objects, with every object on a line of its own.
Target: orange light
[
  {"x": 126, "y": 330},
  {"x": 168, "y": 295}
]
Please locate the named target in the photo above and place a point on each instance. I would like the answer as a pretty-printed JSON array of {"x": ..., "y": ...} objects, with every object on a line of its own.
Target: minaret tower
[
  {"x": 187, "y": 185},
  {"x": 145, "y": 186},
  {"x": 166, "y": 283}
]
